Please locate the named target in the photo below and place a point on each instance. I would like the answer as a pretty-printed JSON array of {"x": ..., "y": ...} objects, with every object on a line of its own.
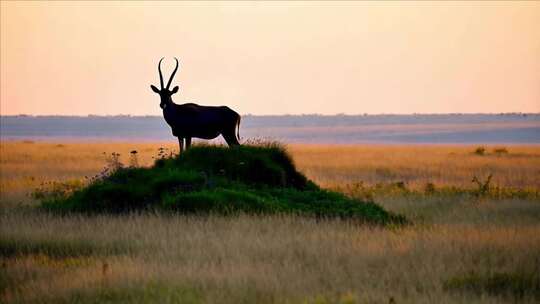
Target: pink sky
[{"x": 271, "y": 58}]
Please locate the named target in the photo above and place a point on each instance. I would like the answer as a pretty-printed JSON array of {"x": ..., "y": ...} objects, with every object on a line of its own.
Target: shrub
[
  {"x": 483, "y": 186},
  {"x": 500, "y": 151},
  {"x": 429, "y": 188},
  {"x": 401, "y": 185},
  {"x": 56, "y": 190},
  {"x": 480, "y": 151},
  {"x": 133, "y": 160},
  {"x": 113, "y": 162}
]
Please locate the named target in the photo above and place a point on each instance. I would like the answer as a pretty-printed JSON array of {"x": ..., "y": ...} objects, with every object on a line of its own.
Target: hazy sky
[{"x": 271, "y": 58}]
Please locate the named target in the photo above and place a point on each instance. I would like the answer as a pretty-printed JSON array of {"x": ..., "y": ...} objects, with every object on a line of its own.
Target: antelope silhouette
[{"x": 191, "y": 120}]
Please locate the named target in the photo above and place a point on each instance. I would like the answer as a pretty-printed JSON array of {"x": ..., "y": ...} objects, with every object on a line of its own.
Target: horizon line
[{"x": 263, "y": 115}]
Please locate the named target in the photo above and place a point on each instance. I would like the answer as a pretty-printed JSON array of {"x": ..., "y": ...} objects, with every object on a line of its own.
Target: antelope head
[{"x": 164, "y": 93}]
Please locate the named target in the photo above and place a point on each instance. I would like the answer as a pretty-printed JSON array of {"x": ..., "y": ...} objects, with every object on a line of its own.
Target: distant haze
[
  {"x": 78, "y": 58},
  {"x": 314, "y": 129}
]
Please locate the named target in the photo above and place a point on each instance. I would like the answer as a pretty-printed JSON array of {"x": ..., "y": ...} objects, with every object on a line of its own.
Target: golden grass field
[{"x": 159, "y": 258}]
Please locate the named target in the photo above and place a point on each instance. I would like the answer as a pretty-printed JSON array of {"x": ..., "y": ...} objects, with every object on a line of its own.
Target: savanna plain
[{"x": 473, "y": 237}]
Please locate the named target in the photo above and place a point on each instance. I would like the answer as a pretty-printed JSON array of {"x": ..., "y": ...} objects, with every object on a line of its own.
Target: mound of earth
[{"x": 218, "y": 180}]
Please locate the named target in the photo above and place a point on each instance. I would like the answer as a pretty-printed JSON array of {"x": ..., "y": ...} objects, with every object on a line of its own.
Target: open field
[
  {"x": 463, "y": 248},
  {"x": 24, "y": 165}
]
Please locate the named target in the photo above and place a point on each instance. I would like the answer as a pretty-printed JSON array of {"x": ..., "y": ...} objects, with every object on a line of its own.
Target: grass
[
  {"x": 25, "y": 165},
  {"x": 148, "y": 292},
  {"x": 271, "y": 259},
  {"x": 517, "y": 285},
  {"x": 462, "y": 248},
  {"x": 442, "y": 165},
  {"x": 56, "y": 248}
]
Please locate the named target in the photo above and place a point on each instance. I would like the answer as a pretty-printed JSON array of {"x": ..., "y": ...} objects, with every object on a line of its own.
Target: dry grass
[
  {"x": 417, "y": 165},
  {"x": 25, "y": 165},
  {"x": 266, "y": 259},
  {"x": 247, "y": 259}
]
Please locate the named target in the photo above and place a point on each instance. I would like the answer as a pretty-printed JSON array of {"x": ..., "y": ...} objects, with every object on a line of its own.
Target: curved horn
[
  {"x": 172, "y": 75},
  {"x": 160, "y": 74}
]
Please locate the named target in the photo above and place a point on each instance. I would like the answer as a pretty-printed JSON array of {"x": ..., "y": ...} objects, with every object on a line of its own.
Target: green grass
[
  {"x": 57, "y": 248},
  {"x": 480, "y": 190},
  {"x": 516, "y": 285},
  {"x": 149, "y": 292},
  {"x": 218, "y": 180}
]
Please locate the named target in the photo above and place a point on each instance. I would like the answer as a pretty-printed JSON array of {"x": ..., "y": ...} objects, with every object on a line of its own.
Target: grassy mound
[{"x": 215, "y": 179}]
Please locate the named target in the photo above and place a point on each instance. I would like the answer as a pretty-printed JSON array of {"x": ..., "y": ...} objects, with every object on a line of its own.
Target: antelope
[{"x": 191, "y": 120}]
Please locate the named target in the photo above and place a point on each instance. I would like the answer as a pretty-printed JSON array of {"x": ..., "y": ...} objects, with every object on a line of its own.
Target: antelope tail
[{"x": 238, "y": 128}]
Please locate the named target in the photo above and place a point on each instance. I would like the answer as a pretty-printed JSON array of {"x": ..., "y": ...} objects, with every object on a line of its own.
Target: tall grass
[
  {"x": 267, "y": 259},
  {"x": 24, "y": 166},
  {"x": 442, "y": 165},
  {"x": 463, "y": 248}
]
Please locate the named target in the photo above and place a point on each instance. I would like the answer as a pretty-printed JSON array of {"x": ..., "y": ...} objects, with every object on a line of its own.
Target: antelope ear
[
  {"x": 154, "y": 89},
  {"x": 175, "y": 89}
]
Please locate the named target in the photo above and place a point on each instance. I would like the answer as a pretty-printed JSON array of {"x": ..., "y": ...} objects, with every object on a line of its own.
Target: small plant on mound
[
  {"x": 483, "y": 186},
  {"x": 251, "y": 179}
]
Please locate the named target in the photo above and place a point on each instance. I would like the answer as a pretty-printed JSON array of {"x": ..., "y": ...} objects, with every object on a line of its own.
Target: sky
[{"x": 82, "y": 57}]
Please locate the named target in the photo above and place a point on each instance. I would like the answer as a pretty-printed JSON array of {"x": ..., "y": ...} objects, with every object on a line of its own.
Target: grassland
[{"x": 464, "y": 247}]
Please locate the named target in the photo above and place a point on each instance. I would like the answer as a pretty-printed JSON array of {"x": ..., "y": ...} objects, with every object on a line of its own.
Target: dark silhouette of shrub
[
  {"x": 480, "y": 151},
  {"x": 483, "y": 186},
  {"x": 430, "y": 188}
]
